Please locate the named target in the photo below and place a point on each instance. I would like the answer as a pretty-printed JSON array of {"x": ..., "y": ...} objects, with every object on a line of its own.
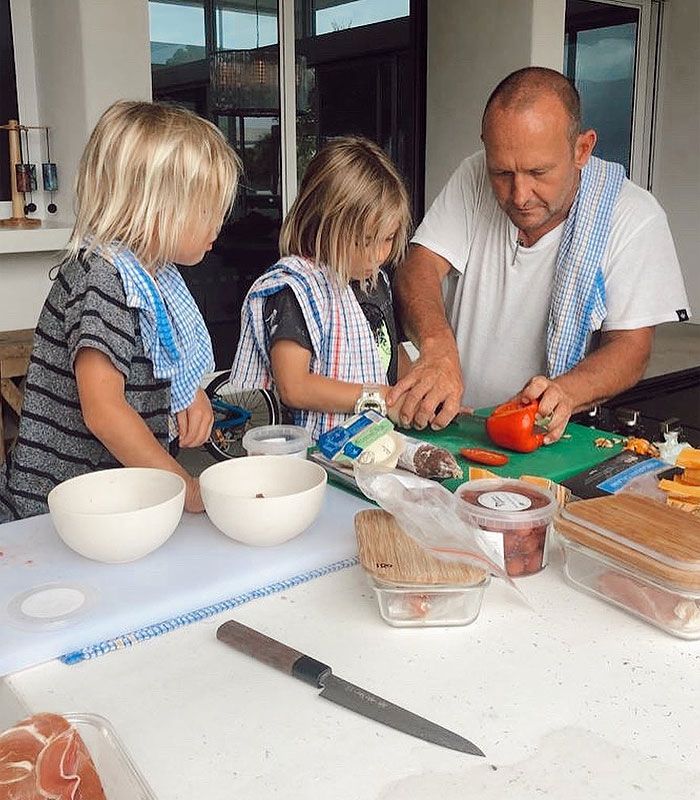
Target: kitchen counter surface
[{"x": 568, "y": 699}]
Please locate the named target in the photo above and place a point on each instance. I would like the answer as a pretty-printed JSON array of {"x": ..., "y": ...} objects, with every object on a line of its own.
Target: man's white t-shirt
[{"x": 498, "y": 293}]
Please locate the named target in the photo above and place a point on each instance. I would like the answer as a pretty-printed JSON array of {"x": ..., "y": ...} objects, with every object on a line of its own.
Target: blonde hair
[
  {"x": 147, "y": 171},
  {"x": 351, "y": 192}
]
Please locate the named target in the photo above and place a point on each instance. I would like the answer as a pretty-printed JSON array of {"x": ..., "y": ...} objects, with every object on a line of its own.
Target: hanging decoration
[
  {"x": 29, "y": 172},
  {"x": 23, "y": 176},
  {"x": 49, "y": 174}
]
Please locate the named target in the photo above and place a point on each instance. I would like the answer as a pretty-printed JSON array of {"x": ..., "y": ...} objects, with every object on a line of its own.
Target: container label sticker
[
  {"x": 492, "y": 544},
  {"x": 504, "y": 501}
]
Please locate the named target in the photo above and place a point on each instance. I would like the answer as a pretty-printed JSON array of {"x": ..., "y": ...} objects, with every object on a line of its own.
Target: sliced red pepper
[
  {"x": 512, "y": 425},
  {"x": 488, "y": 457}
]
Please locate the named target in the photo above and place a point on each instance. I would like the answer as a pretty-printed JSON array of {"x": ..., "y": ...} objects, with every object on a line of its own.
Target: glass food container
[
  {"x": 637, "y": 554},
  {"x": 277, "y": 440},
  {"x": 515, "y": 519},
  {"x": 417, "y": 605},
  {"x": 120, "y": 778}
]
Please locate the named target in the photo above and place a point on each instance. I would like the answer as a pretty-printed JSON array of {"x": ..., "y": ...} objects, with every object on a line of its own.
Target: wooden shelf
[{"x": 52, "y": 235}]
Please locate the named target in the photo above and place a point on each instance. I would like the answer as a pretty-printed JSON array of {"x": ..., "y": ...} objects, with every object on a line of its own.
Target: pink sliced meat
[
  {"x": 648, "y": 601},
  {"x": 44, "y": 758}
]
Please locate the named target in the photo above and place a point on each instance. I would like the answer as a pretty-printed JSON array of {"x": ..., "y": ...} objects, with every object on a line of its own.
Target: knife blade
[{"x": 338, "y": 690}]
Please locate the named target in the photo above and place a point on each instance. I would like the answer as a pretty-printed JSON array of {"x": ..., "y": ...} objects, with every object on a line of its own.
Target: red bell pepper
[{"x": 512, "y": 425}]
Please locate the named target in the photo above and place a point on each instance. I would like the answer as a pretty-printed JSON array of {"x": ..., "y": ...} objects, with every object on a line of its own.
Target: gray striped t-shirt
[{"x": 86, "y": 307}]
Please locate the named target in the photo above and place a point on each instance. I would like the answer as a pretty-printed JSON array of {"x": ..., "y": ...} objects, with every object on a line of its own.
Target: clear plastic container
[
  {"x": 637, "y": 554},
  {"x": 404, "y": 605},
  {"x": 515, "y": 518},
  {"x": 120, "y": 778},
  {"x": 277, "y": 440},
  {"x": 674, "y": 610}
]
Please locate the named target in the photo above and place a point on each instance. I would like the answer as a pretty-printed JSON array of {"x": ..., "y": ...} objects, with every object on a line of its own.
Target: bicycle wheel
[{"x": 225, "y": 441}]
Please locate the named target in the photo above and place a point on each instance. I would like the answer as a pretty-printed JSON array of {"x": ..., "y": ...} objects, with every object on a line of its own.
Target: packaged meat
[
  {"x": 427, "y": 460},
  {"x": 514, "y": 517},
  {"x": 673, "y": 610},
  {"x": 637, "y": 554},
  {"x": 66, "y": 757},
  {"x": 412, "y": 605}
]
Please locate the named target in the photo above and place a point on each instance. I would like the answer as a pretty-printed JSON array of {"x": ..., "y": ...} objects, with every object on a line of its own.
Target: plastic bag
[{"x": 429, "y": 513}]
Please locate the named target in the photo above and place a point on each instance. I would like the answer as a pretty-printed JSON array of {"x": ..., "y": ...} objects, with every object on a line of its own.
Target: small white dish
[
  {"x": 263, "y": 500},
  {"x": 117, "y": 515}
]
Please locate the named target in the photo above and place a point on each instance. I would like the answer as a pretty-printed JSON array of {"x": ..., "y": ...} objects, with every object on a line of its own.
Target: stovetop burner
[{"x": 657, "y": 405}]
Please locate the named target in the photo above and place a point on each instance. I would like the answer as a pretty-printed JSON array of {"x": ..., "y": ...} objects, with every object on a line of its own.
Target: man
[{"x": 553, "y": 277}]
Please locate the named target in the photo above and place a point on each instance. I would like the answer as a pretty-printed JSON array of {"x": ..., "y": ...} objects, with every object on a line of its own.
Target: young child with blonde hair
[
  {"x": 318, "y": 326},
  {"x": 120, "y": 347}
]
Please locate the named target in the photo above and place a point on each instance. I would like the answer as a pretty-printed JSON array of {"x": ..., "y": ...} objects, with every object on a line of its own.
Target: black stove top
[{"x": 667, "y": 402}]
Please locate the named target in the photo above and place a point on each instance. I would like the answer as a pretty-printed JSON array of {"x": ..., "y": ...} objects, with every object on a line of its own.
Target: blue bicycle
[{"x": 236, "y": 411}]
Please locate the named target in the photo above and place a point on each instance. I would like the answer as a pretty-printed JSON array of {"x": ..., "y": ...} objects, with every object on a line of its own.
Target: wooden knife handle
[{"x": 271, "y": 652}]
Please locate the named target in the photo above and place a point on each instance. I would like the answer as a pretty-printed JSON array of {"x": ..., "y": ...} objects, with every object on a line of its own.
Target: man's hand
[
  {"x": 553, "y": 402},
  {"x": 618, "y": 363},
  {"x": 195, "y": 422},
  {"x": 431, "y": 393}
]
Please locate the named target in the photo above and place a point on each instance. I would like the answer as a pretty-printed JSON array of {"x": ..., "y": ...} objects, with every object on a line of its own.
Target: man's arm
[
  {"x": 436, "y": 377},
  {"x": 618, "y": 363}
]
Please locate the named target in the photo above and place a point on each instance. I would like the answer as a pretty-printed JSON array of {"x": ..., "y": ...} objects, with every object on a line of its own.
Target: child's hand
[
  {"x": 193, "y": 497},
  {"x": 195, "y": 422}
]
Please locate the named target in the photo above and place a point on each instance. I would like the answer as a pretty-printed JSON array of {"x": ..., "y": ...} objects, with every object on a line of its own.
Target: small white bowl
[
  {"x": 292, "y": 492},
  {"x": 117, "y": 515}
]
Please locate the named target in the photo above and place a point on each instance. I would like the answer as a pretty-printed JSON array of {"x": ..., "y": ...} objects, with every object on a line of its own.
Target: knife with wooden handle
[{"x": 307, "y": 669}]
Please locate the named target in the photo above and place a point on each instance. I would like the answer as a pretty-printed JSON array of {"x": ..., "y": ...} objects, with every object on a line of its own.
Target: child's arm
[
  {"x": 299, "y": 388},
  {"x": 195, "y": 422},
  {"x": 118, "y": 426}
]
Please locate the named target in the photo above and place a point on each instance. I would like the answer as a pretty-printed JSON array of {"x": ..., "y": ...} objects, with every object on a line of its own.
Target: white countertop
[{"x": 573, "y": 700}]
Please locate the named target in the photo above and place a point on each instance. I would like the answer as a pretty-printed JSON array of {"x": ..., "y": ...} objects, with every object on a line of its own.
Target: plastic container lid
[
  {"x": 648, "y": 537},
  {"x": 277, "y": 440},
  {"x": 503, "y": 504}
]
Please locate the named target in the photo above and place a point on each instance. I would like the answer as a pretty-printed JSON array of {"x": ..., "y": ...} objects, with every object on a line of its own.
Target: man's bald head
[{"x": 522, "y": 89}]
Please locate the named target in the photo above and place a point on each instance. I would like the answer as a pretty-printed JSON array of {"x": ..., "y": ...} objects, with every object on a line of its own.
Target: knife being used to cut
[{"x": 307, "y": 669}]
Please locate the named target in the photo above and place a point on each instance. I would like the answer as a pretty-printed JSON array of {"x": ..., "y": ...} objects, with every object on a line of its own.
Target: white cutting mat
[{"x": 196, "y": 568}]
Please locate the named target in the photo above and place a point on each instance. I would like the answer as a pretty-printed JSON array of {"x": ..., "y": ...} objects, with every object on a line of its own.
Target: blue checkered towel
[
  {"x": 174, "y": 335},
  {"x": 344, "y": 346},
  {"x": 578, "y": 297}
]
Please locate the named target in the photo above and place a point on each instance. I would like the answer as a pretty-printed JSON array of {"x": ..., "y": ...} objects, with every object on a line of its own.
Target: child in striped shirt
[
  {"x": 120, "y": 347},
  {"x": 319, "y": 326}
]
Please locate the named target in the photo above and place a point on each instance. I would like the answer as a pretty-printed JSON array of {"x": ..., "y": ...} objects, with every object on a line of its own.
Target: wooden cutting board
[
  {"x": 389, "y": 554},
  {"x": 664, "y": 543}
]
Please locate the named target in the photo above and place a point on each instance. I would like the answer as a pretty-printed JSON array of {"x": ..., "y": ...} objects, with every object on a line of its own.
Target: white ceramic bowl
[
  {"x": 117, "y": 515},
  {"x": 292, "y": 489}
]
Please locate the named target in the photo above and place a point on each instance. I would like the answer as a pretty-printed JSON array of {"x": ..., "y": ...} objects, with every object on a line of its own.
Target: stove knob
[
  {"x": 627, "y": 417},
  {"x": 592, "y": 414},
  {"x": 672, "y": 424}
]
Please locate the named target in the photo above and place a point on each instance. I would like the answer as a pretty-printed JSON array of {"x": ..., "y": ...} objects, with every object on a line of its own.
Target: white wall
[
  {"x": 472, "y": 45},
  {"x": 676, "y": 180},
  {"x": 73, "y": 58}
]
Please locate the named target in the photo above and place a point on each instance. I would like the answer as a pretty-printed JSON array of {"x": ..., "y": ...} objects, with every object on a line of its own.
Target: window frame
[{"x": 645, "y": 81}]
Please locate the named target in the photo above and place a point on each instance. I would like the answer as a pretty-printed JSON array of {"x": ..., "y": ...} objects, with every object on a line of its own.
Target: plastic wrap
[{"x": 428, "y": 513}]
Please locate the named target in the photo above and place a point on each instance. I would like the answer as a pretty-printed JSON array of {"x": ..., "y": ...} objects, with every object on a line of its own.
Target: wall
[
  {"x": 73, "y": 57},
  {"x": 472, "y": 45},
  {"x": 676, "y": 178}
]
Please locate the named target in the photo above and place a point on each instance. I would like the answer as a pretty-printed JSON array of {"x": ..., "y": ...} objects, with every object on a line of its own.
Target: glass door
[{"x": 607, "y": 56}]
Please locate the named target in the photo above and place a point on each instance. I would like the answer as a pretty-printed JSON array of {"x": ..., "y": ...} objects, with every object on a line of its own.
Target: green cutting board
[{"x": 557, "y": 461}]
